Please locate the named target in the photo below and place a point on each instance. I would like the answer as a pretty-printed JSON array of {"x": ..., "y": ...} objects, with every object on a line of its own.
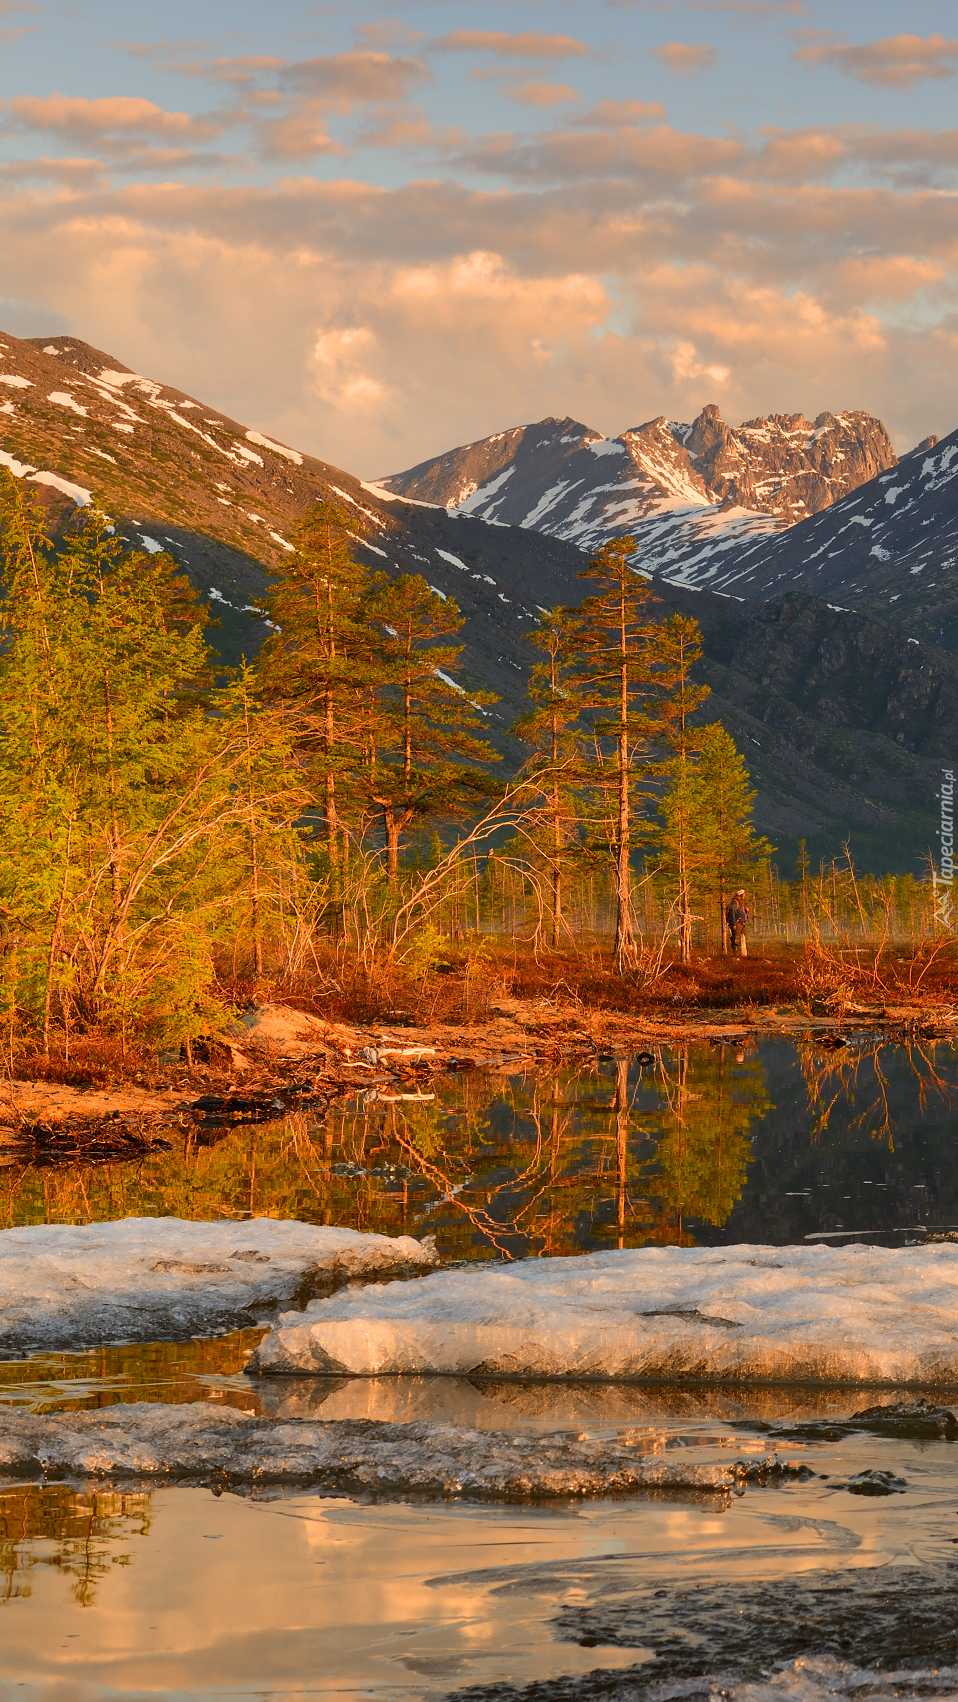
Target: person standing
[{"x": 737, "y": 918}]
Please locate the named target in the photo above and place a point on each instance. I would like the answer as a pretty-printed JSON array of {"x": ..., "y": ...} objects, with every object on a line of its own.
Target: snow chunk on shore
[
  {"x": 194, "y": 1443},
  {"x": 783, "y": 1314},
  {"x": 162, "y": 1278}
]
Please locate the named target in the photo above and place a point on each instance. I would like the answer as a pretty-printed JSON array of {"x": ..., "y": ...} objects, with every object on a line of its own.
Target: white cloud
[
  {"x": 611, "y": 265},
  {"x": 528, "y": 44}
]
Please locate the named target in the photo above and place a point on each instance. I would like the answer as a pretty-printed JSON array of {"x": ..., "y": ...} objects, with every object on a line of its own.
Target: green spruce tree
[{"x": 732, "y": 853}]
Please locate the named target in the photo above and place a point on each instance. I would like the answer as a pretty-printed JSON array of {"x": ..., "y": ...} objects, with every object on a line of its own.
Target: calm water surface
[
  {"x": 177, "y": 1592},
  {"x": 181, "y": 1593},
  {"x": 776, "y": 1143}
]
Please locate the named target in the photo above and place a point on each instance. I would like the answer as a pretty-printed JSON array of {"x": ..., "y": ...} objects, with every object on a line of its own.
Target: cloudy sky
[{"x": 381, "y": 231}]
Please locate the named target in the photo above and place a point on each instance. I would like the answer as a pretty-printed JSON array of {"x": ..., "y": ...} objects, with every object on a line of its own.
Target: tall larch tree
[
  {"x": 615, "y": 678},
  {"x": 426, "y": 764},
  {"x": 678, "y": 650},
  {"x": 319, "y": 659},
  {"x": 552, "y": 729}
]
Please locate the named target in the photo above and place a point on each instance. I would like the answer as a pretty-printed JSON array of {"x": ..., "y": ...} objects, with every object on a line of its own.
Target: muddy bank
[{"x": 280, "y": 1061}]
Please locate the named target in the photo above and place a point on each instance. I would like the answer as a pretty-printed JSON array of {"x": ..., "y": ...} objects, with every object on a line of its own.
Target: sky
[{"x": 378, "y": 232}]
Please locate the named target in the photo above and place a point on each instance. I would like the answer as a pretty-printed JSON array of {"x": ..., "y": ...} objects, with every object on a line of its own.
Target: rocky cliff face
[
  {"x": 680, "y": 488},
  {"x": 784, "y": 464}
]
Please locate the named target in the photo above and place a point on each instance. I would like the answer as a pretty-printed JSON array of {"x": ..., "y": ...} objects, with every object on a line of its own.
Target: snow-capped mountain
[
  {"x": 842, "y": 719},
  {"x": 222, "y": 498},
  {"x": 689, "y": 493},
  {"x": 890, "y": 548}
]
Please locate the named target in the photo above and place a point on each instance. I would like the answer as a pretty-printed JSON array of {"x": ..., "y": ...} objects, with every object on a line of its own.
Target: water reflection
[
  {"x": 235, "y": 1598},
  {"x": 83, "y": 1535},
  {"x": 838, "y": 1076},
  {"x": 205, "y": 1369},
  {"x": 771, "y": 1142}
]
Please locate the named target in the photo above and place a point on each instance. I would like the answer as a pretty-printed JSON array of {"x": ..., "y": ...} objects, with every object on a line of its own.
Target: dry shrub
[
  {"x": 836, "y": 974},
  {"x": 722, "y": 981},
  {"x": 828, "y": 978},
  {"x": 463, "y": 983},
  {"x": 94, "y": 1060}
]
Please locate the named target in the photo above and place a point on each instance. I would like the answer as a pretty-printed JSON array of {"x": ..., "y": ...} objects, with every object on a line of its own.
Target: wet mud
[{"x": 882, "y": 1618}]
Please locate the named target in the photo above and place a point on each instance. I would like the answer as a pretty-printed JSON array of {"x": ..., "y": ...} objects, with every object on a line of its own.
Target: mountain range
[
  {"x": 810, "y": 605},
  {"x": 693, "y": 494}
]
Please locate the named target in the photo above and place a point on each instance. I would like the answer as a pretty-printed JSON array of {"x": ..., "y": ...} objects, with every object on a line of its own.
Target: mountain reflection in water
[{"x": 773, "y": 1142}]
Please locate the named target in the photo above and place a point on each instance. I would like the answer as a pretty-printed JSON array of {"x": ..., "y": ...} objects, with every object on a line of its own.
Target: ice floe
[
  {"x": 162, "y": 1278},
  {"x": 200, "y": 1443},
  {"x": 807, "y": 1314}
]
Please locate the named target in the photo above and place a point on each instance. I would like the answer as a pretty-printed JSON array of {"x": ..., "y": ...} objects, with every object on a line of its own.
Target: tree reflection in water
[
  {"x": 838, "y": 1076},
  {"x": 600, "y": 1156},
  {"x": 77, "y": 1531}
]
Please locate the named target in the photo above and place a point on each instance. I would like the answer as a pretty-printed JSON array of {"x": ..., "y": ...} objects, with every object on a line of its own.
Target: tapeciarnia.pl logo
[{"x": 943, "y": 876}]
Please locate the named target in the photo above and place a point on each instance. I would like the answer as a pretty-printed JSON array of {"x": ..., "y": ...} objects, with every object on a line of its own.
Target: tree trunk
[
  {"x": 332, "y": 818},
  {"x": 253, "y": 848},
  {"x": 624, "y": 936},
  {"x": 621, "y": 1142},
  {"x": 55, "y": 940},
  {"x": 556, "y": 868},
  {"x": 391, "y": 830},
  {"x": 685, "y": 899}
]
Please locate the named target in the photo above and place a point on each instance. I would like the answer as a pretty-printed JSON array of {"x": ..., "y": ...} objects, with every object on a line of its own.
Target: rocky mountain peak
[{"x": 560, "y": 477}]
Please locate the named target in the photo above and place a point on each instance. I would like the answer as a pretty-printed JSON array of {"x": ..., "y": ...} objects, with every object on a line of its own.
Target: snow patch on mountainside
[
  {"x": 22, "y": 470},
  {"x": 277, "y": 448},
  {"x": 680, "y": 489},
  {"x": 862, "y": 551}
]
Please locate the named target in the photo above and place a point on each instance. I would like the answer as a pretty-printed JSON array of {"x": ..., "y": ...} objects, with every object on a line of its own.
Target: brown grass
[
  {"x": 94, "y": 1060},
  {"x": 459, "y": 989}
]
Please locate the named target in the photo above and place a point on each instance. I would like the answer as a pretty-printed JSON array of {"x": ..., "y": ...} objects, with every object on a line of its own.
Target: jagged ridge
[{"x": 686, "y": 489}]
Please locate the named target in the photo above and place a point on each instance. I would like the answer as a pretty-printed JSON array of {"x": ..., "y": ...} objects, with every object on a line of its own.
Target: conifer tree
[
  {"x": 552, "y": 729},
  {"x": 424, "y": 759},
  {"x": 616, "y": 682},
  {"x": 678, "y": 649},
  {"x": 733, "y": 853},
  {"x": 318, "y": 659}
]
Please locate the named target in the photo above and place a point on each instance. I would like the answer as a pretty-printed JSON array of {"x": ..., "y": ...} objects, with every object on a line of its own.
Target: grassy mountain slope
[{"x": 223, "y": 499}]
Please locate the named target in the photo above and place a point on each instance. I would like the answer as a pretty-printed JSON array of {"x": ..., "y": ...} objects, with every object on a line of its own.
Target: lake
[{"x": 111, "y": 1593}]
